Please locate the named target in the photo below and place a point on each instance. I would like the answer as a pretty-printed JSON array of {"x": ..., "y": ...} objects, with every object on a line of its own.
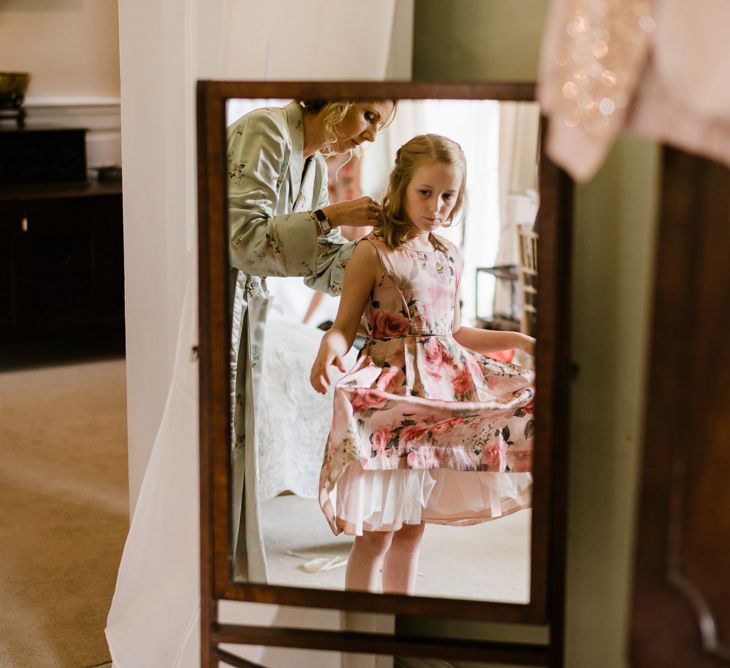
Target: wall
[
  {"x": 612, "y": 260},
  {"x": 70, "y": 47},
  {"x": 477, "y": 39}
]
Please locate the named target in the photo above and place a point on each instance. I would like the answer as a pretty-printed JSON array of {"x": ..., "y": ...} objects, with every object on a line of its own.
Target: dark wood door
[{"x": 681, "y": 598}]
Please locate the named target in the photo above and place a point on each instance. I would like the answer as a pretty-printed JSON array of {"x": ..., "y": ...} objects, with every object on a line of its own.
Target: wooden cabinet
[{"x": 61, "y": 260}]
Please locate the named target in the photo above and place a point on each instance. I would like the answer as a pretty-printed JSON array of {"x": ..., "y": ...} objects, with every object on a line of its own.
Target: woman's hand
[
  {"x": 328, "y": 355},
  {"x": 359, "y": 212}
]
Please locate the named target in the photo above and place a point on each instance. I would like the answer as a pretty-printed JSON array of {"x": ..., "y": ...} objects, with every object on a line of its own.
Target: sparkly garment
[
  {"x": 655, "y": 68},
  {"x": 593, "y": 53},
  {"x": 424, "y": 429}
]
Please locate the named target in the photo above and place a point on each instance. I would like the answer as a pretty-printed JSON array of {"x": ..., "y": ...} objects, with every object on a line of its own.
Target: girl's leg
[
  {"x": 366, "y": 559},
  {"x": 400, "y": 566}
]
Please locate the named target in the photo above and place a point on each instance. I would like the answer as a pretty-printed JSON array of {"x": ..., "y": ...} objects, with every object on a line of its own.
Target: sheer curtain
[
  {"x": 518, "y": 152},
  {"x": 154, "y": 619}
]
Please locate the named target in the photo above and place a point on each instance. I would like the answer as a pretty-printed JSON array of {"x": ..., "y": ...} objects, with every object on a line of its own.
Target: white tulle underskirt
[{"x": 386, "y": 500}]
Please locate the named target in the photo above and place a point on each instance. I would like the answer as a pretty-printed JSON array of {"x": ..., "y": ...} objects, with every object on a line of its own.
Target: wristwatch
[{"x": 322, "y": 221}]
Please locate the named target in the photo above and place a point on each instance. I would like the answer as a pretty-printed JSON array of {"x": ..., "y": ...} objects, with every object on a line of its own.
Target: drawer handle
[{"x": 24, "y": 224}]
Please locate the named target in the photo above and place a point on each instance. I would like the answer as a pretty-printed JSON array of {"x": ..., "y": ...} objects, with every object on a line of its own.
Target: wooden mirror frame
[{"x": 551, "y": 408}]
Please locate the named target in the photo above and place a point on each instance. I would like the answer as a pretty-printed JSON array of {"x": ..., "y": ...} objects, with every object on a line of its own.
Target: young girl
[{"x": 425, "y": 427}]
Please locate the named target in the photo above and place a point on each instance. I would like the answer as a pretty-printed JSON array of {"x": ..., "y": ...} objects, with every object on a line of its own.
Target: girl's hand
[
  {"x": 319, "y": 377},
  {"x": 527, "y": 343},
  {"x": 360, "y": 212}
]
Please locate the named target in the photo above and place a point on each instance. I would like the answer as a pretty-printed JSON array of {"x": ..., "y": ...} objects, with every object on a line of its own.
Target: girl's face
[
  {"x": 362, "y": 123},
  {"x": 431, "y": 195}
]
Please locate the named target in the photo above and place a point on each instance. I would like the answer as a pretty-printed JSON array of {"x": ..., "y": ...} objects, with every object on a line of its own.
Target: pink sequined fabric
[{"x": 593, "y": 55}]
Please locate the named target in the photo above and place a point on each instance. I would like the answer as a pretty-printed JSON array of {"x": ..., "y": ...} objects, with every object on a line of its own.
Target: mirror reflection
[{"x": 384, "y": 284}]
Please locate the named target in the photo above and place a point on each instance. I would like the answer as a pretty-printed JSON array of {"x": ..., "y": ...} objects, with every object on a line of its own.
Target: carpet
[
  {"x": 64, "y": 517},
  {"x": 488, "y": 561}
]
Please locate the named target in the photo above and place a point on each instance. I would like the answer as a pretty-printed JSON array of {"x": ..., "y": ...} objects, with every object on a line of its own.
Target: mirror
[{"x": 455, "y": 467}]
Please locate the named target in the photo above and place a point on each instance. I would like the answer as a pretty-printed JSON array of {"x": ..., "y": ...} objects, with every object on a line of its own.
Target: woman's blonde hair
[
  {"x": 333, "y": 113},
  {"x": 393, "y": 225}
]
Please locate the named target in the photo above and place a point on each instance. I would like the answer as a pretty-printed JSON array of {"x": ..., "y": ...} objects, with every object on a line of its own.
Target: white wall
[{"x": 70, "y": 47}]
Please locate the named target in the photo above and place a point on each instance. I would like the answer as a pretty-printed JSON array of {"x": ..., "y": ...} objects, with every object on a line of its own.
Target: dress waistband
[{"x": 407, "y": 336}]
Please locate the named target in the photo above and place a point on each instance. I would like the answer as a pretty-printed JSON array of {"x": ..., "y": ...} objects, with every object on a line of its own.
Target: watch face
[{"x": 324, "y": 222}]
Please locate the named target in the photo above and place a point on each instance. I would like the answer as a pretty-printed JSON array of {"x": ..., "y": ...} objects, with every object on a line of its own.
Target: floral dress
[{"x": 424, "y": 429}]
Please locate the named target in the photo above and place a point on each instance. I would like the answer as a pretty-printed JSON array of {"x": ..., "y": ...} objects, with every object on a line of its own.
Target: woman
[{"x": 281, "y": 224}]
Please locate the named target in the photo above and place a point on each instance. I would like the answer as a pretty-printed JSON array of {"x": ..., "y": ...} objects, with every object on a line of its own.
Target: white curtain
[
  {"x": 155, "y": 612},
  {"x": 518, "y": 166},
  {"x": 154, "y": 618}
]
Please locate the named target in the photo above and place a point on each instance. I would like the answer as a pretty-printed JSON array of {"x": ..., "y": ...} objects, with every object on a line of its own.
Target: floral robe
[{"x": 271, "y": 190}]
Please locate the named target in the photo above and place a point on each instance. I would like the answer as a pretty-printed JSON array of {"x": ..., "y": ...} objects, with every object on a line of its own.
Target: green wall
[
  {"x": 477, "y": 39},
  {"x": 613, "y": 237}
]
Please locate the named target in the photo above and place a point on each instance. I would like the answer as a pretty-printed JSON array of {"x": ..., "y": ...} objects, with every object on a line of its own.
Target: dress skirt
[{"x": 386, "y": 500}]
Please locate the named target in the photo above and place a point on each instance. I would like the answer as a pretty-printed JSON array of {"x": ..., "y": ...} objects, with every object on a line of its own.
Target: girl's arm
[
  {"x": 486, "y": 341},
  {"x": 313, "y": 305},
  {"x": 360, "y": 276}
]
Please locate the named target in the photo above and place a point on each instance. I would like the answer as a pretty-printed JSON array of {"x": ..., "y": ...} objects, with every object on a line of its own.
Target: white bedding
[{"x": 292, "y": 419}]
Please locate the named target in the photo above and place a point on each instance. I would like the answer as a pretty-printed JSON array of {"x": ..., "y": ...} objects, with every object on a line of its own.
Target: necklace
[
  {"x": 430, "y": 249},
  {"x": 418, "y": 250}
]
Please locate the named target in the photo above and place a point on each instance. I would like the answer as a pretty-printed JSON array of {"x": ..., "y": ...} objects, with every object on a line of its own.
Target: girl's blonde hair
[
  {"x": 333, "y": 113},
  {"x": 393, "y": 225}
]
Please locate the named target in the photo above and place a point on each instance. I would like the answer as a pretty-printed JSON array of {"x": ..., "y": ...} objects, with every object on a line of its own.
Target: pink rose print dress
[{"x": 424, "y": 429}]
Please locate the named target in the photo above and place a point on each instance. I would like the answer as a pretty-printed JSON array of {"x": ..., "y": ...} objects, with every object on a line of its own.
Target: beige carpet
[{"x": 63, "y": 511}]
